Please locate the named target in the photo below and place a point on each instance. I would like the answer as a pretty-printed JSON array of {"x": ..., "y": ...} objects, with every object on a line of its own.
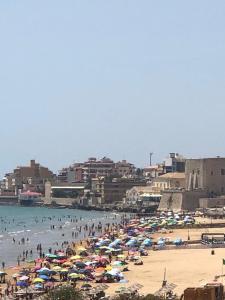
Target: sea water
[{"x": 35, "y": 226}]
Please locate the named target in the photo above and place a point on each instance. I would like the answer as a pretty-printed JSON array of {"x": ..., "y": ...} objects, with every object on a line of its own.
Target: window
[
  {"x": 222, "y": 171},
  {"x": 222, "y": 189},
  {"x": 211, "y": 173}
]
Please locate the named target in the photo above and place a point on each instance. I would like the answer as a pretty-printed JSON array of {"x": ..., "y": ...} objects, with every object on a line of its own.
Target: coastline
[{"x": 180, "y": 262}]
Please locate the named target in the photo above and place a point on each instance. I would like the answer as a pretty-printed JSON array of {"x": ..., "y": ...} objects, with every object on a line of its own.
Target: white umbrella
[{"x": 24, "y": 278}]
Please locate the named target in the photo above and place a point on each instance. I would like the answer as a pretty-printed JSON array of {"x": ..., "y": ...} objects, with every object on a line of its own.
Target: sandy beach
[{"x": 184, "y": 267}]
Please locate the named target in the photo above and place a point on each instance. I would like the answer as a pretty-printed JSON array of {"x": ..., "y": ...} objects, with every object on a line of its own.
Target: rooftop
[{"x": 173, "y": 175}]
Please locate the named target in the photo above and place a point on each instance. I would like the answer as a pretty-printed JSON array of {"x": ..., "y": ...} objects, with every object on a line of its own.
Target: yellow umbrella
[
  {"x": 80, "y": 249},
  {"x": 74, "y": 275},
  {"x": 108, "y": 268},
  {"x": 64, "y": 270},
  {"x": 67, "y": 264},
  {"x": 57, "y": 268},
  {"x": 121, "y": 256},
  {"x": 38, "y": 280},
  {"x": 75, "y": 257}
]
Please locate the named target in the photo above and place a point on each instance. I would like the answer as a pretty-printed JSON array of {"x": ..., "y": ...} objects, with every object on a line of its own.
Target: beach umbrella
[
  {"x": 24, "y": 278},
  {"x": 117, "y": 263},
  {"x": 64, "y": 270},
  {"x": 44, "y": 270},
  {"x": 99, "y": 270},
  {"x": 57, "y": 268},
  {"x": 49, "y": 255},
  {"x": 75, "y": 257},
  {"x": 108, "y": 251},
  {"x": 81, "y": 249},
  {"x": 161, "y": 243},
  {"x": 45, "y": 277},
  {"x": 112, "y": 272},
  {"x": 44, "y": 273},
  {"x": 67, "y": 264},
  {"x": 22, "y": 284},
  {"x": 80, "y": 264},
  {"x": 38, "y": 280},
  {"x": 121, "y": 256},
  {"x": 74, "y": 275},
  {"x": 38, "y": 286}
]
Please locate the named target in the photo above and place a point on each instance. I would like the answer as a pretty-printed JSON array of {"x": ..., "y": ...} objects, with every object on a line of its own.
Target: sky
[{"x": 117, "y": 78}]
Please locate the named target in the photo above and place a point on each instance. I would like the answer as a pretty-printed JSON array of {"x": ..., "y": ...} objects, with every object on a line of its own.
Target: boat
[{"x": 29, "y": 198}]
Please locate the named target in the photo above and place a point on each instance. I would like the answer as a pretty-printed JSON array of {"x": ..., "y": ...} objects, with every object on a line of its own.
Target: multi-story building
[
  {"x": 152, "y": 172},
  {"x": 109, "y": 191},
  {"x": 67, "y": 175},
  {"x": 173, "y": 180},
  {"x": 93, "y": 168},
  {"x": 174, "y": 163},
  {"x": 124, "y": 168},
  {"x": 142, "y": 195},
  {"x": 32, "y": 177}
]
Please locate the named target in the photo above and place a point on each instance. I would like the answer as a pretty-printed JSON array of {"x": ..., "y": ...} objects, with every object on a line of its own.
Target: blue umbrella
[
  {"x": 45, "y": 277},
  {"x": 38, "y": 286},
  {"x": 22, "y": 284}
]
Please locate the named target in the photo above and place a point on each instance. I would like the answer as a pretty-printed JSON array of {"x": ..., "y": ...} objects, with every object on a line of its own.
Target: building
[
  {"x": 213, "y": 291},
  {"x": 64, "y": 194},
  {"x": 67, "y": 175},
  {"x": 142, "y": 196},
  {"x": 173, "y": 180},
  {"x": 110, "y": 191},
  {"x": 151, "y": 172},
  {"x": 206, "y": 174},
  {"x": 204, "y": 179},
  {"x": 124, "y": 169},
  {"x": 93, "y": 168},
  {"x": 174, "y": 163},
  {"x": 32, "y": 177}
]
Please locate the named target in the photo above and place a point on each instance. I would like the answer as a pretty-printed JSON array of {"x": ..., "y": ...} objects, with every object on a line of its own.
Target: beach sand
[{"x": 185, "y": 268}]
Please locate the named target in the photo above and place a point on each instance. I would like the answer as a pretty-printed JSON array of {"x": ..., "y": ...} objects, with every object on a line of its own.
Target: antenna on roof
[{"x": 150, "y": 156}]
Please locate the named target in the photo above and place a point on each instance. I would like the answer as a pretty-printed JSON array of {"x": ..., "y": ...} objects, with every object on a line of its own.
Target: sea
[{"x": 45, "y": 226}]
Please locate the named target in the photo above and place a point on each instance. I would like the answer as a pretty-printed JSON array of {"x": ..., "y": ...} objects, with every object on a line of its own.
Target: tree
[{"x": 64, "y": 293}]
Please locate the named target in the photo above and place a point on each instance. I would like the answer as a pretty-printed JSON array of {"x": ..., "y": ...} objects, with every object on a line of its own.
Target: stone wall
[
  {"x": 212, "y": 202},
  {"x": 180, "y": 200},
  {"x": 60, "y": 201}
]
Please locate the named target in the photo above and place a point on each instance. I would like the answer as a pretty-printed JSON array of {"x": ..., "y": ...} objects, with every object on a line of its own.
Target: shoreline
[{"x": 150, "y": 274}]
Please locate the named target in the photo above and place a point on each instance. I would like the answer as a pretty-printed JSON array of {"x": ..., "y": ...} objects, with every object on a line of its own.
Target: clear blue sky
[{"x": 114, "y": 78}]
